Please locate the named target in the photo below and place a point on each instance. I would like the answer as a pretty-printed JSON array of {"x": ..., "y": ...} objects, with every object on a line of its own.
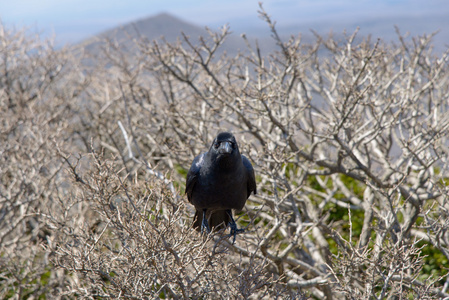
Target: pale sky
[{"x": 74, "y": 20}]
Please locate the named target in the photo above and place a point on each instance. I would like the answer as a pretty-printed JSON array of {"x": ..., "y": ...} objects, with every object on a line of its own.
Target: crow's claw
[
  {"x": 233, "y": 226},
  {"x": 204, "y": 224}
]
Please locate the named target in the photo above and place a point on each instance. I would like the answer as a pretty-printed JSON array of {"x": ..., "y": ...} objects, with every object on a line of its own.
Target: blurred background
[{"x": 71, "y": 22}]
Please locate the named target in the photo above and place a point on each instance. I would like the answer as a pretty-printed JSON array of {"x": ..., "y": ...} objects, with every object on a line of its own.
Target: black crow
[{"x": 218, "y": 181}]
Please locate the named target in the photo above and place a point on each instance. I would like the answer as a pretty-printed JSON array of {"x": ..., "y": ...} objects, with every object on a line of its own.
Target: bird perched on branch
[{"x": 219, "y": 181}]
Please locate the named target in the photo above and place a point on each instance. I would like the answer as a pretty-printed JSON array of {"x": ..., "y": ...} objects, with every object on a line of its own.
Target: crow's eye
[
  {"x": 232, "y": 145},
  {"x": 216, "y": 145}
]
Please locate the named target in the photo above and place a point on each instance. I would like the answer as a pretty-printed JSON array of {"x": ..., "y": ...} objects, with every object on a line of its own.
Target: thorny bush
[{"x": 348, "y": 139}]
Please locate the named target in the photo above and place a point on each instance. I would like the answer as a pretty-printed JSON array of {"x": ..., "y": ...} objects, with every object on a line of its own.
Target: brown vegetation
[{"x": 348, "y": 139}]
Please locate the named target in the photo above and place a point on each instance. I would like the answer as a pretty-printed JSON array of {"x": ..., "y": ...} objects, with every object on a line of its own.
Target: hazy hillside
[
  {"x": 155, "y": 27},
  {"x": 168, "y": 27},
  {"x": 383, "y": 27}
]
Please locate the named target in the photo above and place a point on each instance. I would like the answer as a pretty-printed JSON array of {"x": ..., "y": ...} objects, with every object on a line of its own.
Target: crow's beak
[{"x": 225, "y": 148}]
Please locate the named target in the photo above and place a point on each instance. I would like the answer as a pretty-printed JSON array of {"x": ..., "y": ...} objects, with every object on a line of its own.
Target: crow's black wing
[
  {"x": 251, "y": 177},
  {"x": 192, "y": 175}
]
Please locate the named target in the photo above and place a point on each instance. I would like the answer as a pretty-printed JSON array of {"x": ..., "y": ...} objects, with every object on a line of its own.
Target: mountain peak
[{"x": 153, "y": 27}]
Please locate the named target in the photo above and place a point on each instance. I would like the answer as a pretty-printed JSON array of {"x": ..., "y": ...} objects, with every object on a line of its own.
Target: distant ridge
[
  {"x": 155, "y": 27},
  {"x": 152, "y": 28},
  {"x": 170, "y": 28}
]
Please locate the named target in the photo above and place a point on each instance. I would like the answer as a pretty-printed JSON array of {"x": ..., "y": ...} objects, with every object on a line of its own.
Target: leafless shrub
[
  {"x": 35, "y": 81},
  {"x": 123, "y": 238},
  {"x": 348, "y": 139}
]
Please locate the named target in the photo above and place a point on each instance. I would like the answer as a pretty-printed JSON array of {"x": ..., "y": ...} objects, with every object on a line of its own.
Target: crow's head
[{"x": 224, "y": 148}]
